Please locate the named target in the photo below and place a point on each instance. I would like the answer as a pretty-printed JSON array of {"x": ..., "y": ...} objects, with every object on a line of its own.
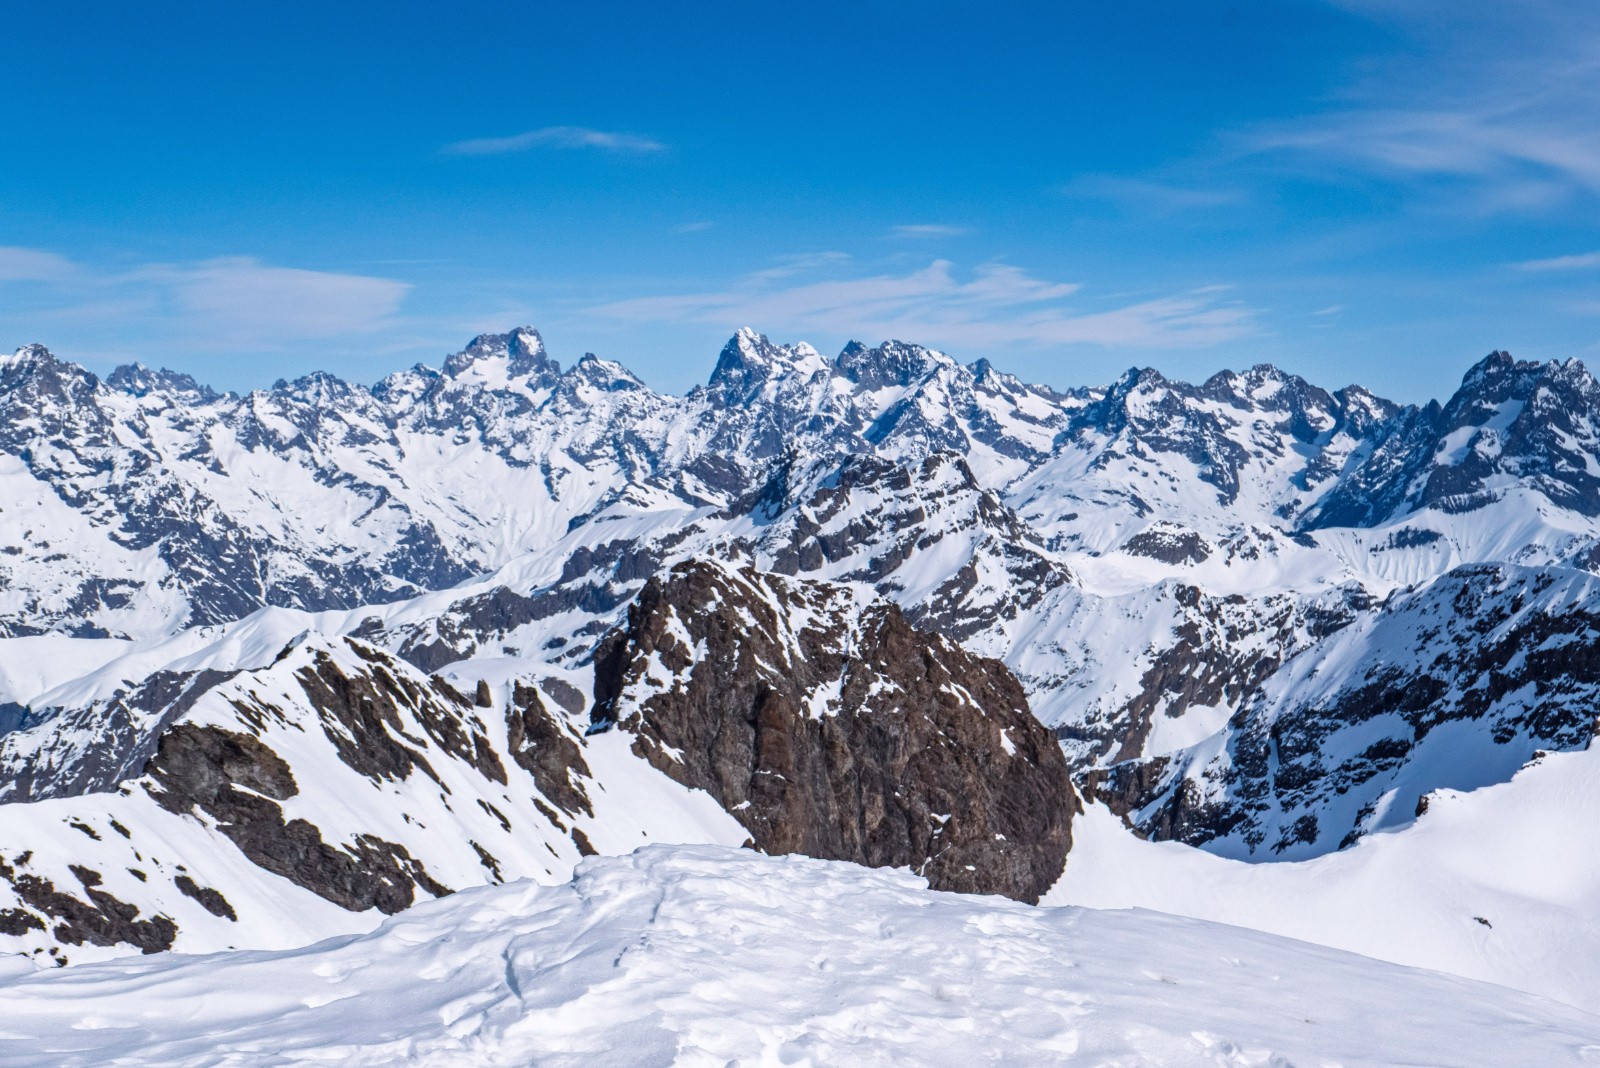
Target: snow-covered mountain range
[{"x": 280, "y": 663}]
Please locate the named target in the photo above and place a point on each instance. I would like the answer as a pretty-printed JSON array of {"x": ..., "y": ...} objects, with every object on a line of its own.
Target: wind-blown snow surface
[{"x": 717, "y": 957}]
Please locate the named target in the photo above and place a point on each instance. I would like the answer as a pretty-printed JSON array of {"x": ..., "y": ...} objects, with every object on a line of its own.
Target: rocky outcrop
[
  {"x": 829, "y": 726},
  {"x": 101, "y": 920},
  {"x": 1453, "y": 686},
  {"x": 240, "y": 783}
]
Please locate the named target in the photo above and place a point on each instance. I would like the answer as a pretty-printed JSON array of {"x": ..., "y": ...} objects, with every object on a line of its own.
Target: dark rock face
[
  {"x": 829, "y": 726},
  {"x": 239, "y": 781},
  {"x": 203, "y": 768},
  {"x": 210, "y": 899},
  {"x": 1457, "y": 684},
  {"x": 1169, "y": 545},
  {"x": 360, "y": 716},
  {"x": 101, "y": 920},
  {"x": 95, "y": 747},
  {"x": 544, "y": 750}
]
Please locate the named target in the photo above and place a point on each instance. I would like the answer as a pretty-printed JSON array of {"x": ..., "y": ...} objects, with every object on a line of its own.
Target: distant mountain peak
[
  {"x": 141, "y": 381},
  {"x": 522, "y": 349},
  {"x": 892, "y": 363},
  {"x": 38, "y": 365},
  {"x": 607, "y": 374},
  {"x": 33, "y": 351},
  {"x": 749, "y": 359}
]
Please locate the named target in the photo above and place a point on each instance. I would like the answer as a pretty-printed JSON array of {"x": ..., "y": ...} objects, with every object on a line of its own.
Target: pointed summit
[
  {"x": 522, "y": 350},
  {"x": 748, "y": 360},
  {"x": 141, "y": 381},
  {"x": 608, "y": 375},
  {"x": 36, "y": 367},
  {"x": 34, "y": 354}
]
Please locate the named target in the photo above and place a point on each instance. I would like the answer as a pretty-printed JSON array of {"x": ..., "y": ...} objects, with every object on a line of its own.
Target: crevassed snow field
[{"x": 713, "y": 956}]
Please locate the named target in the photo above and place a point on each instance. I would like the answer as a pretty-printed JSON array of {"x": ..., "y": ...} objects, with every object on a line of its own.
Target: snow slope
[
  {"x": 716, "y": 957},
  {"x": 272, "y": 807},
  {"x": 1501, "y": 883}
]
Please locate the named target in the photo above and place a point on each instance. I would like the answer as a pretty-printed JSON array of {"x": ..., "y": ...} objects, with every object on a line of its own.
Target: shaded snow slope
[
  {"x": 703, "y": 956},
  {"x": 1455, "y": 685}
]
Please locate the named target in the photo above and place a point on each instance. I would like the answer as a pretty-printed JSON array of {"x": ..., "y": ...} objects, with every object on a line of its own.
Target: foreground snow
[{"x": 712, "y": 956}]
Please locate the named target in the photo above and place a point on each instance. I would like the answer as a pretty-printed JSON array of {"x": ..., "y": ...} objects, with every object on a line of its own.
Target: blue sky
[{"x": 1357, "y": 191}]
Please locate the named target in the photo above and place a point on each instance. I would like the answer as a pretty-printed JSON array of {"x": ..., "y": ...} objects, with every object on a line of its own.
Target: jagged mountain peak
[
  {"x": 318, "y": 388},
  {"x": 1499, "y": 376},
  {"x": 1495, "y": 367},
  {"x": 1262, "y": 384},
  {"x": 750, "y": 359},
  {"x": 31, "y": 353},
  {"x": 889, "y": 364},
  {"x": 521, "y": 350},
  {"x": 36, "y": 367},
  {"x": 141, "y": 381},
  {"x": 1135, "y": 377},
  {"x": 605, "y": 374}
]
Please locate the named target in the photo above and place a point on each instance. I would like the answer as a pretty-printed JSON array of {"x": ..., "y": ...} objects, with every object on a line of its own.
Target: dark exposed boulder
[{"x": 829, "y": 726}]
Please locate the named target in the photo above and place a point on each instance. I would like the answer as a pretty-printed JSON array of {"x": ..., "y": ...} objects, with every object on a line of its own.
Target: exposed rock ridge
[
  {"x": 829, "y": 726},
  {"x": 1493, "y": 660}
]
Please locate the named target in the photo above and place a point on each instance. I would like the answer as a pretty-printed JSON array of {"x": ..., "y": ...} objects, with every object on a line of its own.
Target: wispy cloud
[
  {"x": 1496, "y": 107},
  {"x": 237, "y": 302},
  {"x": 33, "y": 265},
  {"x": 1580, "y": 262},
  {"x": 241, "y": 301},
  {"x": 1148, "y": 194},
  {"x": 699, "y": 226},
  {"x": 557, "y": 137},
  {"x": 997, "y": 304},
  {"x": 1332, "y": 309},
  {"x": 800, "y": 263},
  {"x": 919, "y": 230}
]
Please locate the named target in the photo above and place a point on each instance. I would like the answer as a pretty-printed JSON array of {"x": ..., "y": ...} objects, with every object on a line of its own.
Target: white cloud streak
[
  {"x": 1148, "y": 194},
  {"x": 33, "y": 265},
  {"x": 242, "y": 300},
  {"x": 1581, "y": 262},
  {"x": 238, "y": 302},
  {"x": 997, "y": 305},
  {"x": 921, "y": 230},
  {"x": 1498, "y": 100},
  {"x": 557, "y": 137}
]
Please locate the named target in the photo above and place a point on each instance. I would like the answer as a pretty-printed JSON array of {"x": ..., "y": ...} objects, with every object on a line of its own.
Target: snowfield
[
  {"x": 1500, "y": 883},
  {"x": 714, "y": 956}
]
